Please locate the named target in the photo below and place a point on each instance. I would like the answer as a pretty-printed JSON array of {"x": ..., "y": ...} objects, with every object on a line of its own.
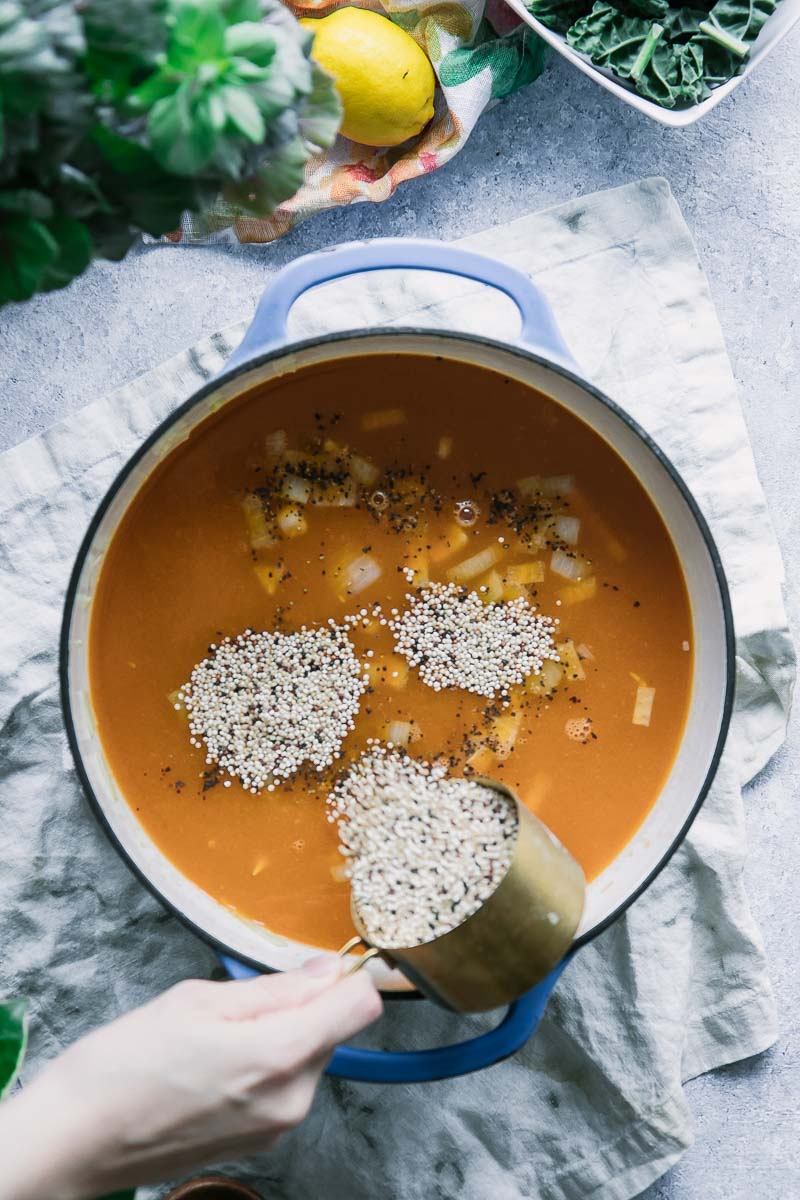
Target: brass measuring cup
[{"x": 512, "y": 941}]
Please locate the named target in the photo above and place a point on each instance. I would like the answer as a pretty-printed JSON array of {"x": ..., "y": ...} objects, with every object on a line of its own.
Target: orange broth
[{"x": 181, "y": 573}]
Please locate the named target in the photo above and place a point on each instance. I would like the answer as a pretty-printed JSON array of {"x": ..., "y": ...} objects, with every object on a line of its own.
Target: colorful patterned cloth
[{"x": 480, "y": 52}]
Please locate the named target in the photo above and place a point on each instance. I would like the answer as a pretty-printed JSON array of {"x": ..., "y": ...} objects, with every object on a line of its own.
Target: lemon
[{"x": 385, "y": 82}]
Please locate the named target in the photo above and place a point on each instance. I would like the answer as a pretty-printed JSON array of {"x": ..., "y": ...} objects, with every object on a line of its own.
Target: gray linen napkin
[{"x": 593, "y": 1105}]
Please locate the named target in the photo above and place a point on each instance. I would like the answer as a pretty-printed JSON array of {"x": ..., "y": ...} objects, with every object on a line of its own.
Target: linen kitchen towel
[{"x": 593, "y": 1105}]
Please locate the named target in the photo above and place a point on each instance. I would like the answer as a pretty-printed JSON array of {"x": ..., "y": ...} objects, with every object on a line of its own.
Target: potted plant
[{"x": 118, "y": 115}]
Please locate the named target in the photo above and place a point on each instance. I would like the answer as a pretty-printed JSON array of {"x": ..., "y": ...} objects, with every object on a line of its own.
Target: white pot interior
[{"x": 706, "y": 719}]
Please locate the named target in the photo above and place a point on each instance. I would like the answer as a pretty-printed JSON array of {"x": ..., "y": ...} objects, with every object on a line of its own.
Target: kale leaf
[
  {"x": 672, "y": 55},
  {"x": 610, "y": 38},
  {"x": 735, "y": 24},
  {"x": 638, "y": 51},
  {"x": 558, "y": 14},
  {"x": 655, "y": 9},
  {"x": 681, "y": 24}
]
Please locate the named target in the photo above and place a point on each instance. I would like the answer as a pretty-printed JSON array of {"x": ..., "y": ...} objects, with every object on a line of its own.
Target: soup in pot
[{"x": 395, "y": 549}]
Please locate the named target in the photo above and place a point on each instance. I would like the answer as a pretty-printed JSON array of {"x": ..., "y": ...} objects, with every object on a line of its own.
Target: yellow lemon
[{"x": 385, "y": 82}]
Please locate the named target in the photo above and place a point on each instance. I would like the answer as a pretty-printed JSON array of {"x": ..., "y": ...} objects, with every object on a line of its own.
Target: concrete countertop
[{"x": 736, "y": 176}]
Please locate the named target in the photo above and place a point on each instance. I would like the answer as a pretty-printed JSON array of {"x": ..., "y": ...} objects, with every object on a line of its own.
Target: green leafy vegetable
[
  {"x": 638, "y": 51},
  {"x": 680, "y": 24},
  {"x": 609, "y": 38},
  {"x": 672, "y": 55},
  {"x": 117, "y": 115},
  {"x": 655, "y": 9},
  {"x": 645, "y": 55},
  {"x": 735, "y": 24},
  {"x": 719, "y": 64},
  {"x": 557, "y": 14},
  {"x": 13, "y": 1041}
]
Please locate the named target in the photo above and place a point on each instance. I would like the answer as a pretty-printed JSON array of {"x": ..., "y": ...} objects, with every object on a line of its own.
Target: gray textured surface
[{"x": 737, "y": 178}]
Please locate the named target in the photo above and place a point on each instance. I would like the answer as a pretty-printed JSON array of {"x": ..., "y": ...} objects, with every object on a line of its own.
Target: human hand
[{"x": 203, "y": 1072}]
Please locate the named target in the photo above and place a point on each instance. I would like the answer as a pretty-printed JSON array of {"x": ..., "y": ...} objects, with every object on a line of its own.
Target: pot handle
[
  {"x": 268, "y": 329},
  {"x": 442, "y": 1062}
]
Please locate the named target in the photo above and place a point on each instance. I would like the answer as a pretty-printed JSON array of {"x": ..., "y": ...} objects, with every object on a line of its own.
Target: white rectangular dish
[{"x": 775, "y": 29}]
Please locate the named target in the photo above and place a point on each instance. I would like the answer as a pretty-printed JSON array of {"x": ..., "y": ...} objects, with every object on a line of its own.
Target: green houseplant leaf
[
  {"x": 13, "y": 1041},
  {"x": 116, "y": 116}
]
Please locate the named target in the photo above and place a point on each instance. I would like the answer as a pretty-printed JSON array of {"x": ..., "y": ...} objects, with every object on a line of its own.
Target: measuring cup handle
[
  {"x": 268, "y": 329},
  {"x": 441, "y": 1062}
]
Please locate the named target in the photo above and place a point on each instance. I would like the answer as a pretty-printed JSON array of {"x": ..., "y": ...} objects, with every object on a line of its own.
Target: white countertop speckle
[{"x": 736, "y": 176}]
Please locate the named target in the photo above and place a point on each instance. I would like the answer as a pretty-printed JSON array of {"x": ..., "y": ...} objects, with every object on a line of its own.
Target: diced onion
[
  {"x": 568, "y": 529},
  {"x": 569, "y": 566},
  {"x": 340, "y": 872},
  {"x": 484, "y": 560},
  {"x": 482, "y": 760},
  {"x": 291, "y": 521},
  {"x": 396, "y": 674},
  {"x": 454, "y": 540},
  {"x": 576, "y": 593},
  {"x": 525, "y": 573},
  {"x": 548, "y": 678},
  {"x": 506, "y": 729},
  {"x": 364, "y": 471},
  {"x": 398, "y": 733},
  {"x": 174, "y": 699},
  {"x": 551, "y": 485},
  {"x": 445, "y": 447},
  {"x": 558, "y": 485},
  {"x": 551, "y": 673},
  {"x": 269, "y": 576},
  {"x": 491, "y": 592},
  {"x": 275, "y": 443},
  {"x": 296, "y": 489},
  {"x": 584, "y": 652},
  {"x": 259, "y": 866},
  {"x": 361, "y": 573},
  {"x": 334, "y": 495},
  {"x": 530, "y": 486},
  {"x": 382, "y": 418},
  {"x": 260, "y": 532},
  {"x": 570, "y": 661},
  {"x": 643, "y": 708}
]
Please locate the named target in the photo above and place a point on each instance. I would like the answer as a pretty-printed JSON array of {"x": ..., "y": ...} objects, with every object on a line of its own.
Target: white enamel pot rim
[{"x": 710, "y": 711}]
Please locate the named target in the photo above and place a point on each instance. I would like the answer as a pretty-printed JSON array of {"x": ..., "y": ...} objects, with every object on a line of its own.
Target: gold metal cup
[{"x": 513, "y": 940}]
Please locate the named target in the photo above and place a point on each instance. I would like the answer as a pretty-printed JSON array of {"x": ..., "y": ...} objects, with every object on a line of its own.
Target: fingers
[
  {"x": 251, "y": 998},
  {"x": 247, "y": 999},
  {"x": 330, "y": 1017}
]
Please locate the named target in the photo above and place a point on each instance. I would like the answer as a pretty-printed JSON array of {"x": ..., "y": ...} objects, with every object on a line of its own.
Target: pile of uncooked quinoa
[
  {"x": 458, "y": 641},
  {"x": 424, "y": 849},
  {"x": 263, "y": 705}
]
